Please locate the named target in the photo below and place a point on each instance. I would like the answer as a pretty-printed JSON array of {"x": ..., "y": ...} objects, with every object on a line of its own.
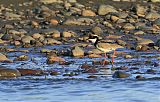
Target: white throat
[{"x": 93, "y": 40}]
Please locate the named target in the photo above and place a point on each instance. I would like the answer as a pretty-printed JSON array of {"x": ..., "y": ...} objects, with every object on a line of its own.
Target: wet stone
[
  {"x": 30, "y": 72},
  {"x": 22, "y": 58},
  {"x": 77, "y": 52},
  {"x": 120, "y": 74},
  {"x": 8, "y": 73}
]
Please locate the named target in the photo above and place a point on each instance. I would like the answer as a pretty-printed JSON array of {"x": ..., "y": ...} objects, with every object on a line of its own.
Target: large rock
[
  {"x": 77, "y": 52},
  {"x": 8, "y": 73},
  {"x": 105, "y": 9},
  {"x": 120, "y": 74}
]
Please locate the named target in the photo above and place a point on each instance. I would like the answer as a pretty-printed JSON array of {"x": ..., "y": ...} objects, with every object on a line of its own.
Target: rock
[
  {"x": 128, "y": 56},
  {"x": 50, "y": 41},
  {"x": 53, "y": 59},
  {"x": 67, "y": 34},
  {"x": 3, "y": 57},
  {"x": 144, "y": 48},
  {"x": 139, "y": 47},
  {"x": 8, "y": 73},
  {"x": 121, "y": 42},
  {"x": 157, "y": 22},
  {"x": 26, "y": 72},
  {"x": 85, "y": 21},
  {"x": 139, "y": 33},
  {"x": 45, "y": 50},
  {"x": 12, "y": 16},
  {"x": 92, "y": 76},
  {"x": 139, "y": 77},
  {"x": 72, "y": 22},
  {"x": 88, "y": 13},
  {"x": 36, "y": 36},
  {"x": 54, "y": 22},
  {"x": 27, "y": 39},
  {"x": 128, "y": 26},
  {"x": 94, "y": 56},
  {"x": 120, "y": 74},
  {"x": 51, "y": 1},
  {"x": 35, "y": 24},
  {"x": 151, "y": 71},
  {"x": 97, "y": 30},
  {"x": 144, "y": 42},
  {"x": 56, "y": 35},
  {"x": 152, "y": 16},
  {"x": 80, "y": 21},
  {"x": 122, "y": 68},
  {"x": 91, "y": 70},
  {"x": 154, "y": 0},
  {"x": 22, "y": 58},
  {"x": 105, "y": 9},
  {"x": 53, "y": 73},
  {"x": 77, "y": 52},
  {"x": 114, "y": 18},
  {"x": 140, "y": 10}
]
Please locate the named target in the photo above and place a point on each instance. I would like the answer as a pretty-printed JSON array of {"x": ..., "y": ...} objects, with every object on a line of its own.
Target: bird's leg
[
  {"x": 105, "y": 56},
  {"x": 114, "y": 53}
]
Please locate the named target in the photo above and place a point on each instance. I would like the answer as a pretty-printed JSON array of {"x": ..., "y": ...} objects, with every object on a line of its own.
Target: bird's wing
[{"x": 109, "y": 46}]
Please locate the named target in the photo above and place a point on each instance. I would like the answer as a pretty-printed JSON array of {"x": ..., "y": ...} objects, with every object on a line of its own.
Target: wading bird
[{"x": 104, "y": 47}]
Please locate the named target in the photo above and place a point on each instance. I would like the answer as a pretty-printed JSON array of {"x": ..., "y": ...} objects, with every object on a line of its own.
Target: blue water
[
  {"x": 79, "y": 91},
  {"x": 79, "y": 88}
]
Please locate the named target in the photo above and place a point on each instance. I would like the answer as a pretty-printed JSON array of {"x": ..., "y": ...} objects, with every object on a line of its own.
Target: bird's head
[{"x": 93, "y": 38}]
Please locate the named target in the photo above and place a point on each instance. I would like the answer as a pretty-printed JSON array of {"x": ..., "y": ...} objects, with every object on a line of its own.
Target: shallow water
[
  {"x": 79, "y": 91},
  {"x": 80, "y": 88}
]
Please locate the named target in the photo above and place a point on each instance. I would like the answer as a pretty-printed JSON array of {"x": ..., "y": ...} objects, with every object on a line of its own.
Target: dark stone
[{"x": 120, "y": 74}]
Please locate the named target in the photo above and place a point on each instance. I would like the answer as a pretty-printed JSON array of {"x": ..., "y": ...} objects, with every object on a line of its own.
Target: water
[
  {"x": 79, "y": 91},
  {"x": 79, "y": 88}
]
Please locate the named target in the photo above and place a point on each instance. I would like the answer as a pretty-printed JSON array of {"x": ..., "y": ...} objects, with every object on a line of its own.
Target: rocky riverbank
[{"x": 52, "y": 35}]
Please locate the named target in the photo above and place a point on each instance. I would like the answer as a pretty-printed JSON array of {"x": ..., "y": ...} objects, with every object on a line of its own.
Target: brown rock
[
  {"x": 3, "y": 58},
  {"x": 77, "y": 52},
  {"x": 35, "y": 24},
  {"x": 8, "y": 73},
  {"x": 128, "y": 26},
  {"x": 25, "y": 72},
  {"x": 105, "y": 9},
  {"x": 88, "y": 13},
  {"x": 54, "y": 22},
  {"x": 53, "y": 59}
]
